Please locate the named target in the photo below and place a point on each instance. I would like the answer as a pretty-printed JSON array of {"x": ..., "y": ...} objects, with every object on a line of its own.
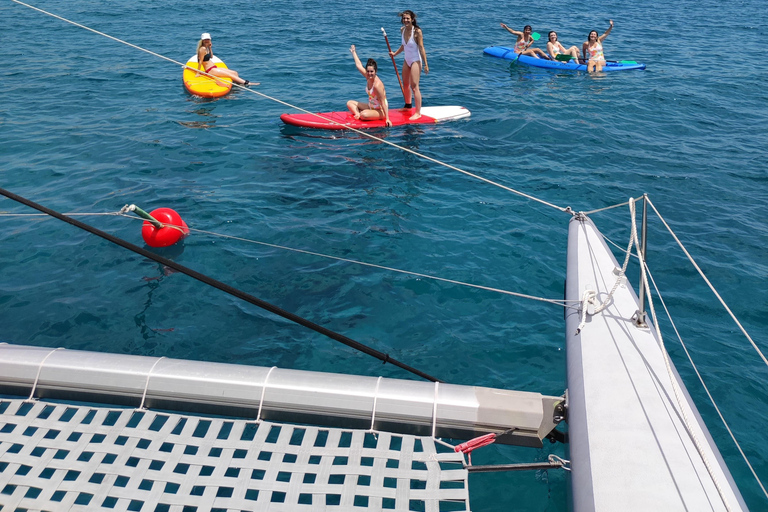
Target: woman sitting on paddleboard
[
  {"x": 593, "y": 49},
  {"x": 376, "y": 107},
  {"x": 524, "y": 41},
  {"x": 555, "y": 48},
  {"x": 412, "y": 43},
  {"x": 205, "y": 62}
]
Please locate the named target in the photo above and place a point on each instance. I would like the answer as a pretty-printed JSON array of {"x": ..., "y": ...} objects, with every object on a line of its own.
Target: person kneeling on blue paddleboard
[
  {"x": 555, "y": 48},
  {"x": 524, "y": 41},
  {"x": 205, "y": 59},
  {"x": 376, "y": 107}
]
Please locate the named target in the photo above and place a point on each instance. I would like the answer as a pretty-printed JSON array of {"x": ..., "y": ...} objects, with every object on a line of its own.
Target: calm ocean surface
[{"x": 89, "y": 125}]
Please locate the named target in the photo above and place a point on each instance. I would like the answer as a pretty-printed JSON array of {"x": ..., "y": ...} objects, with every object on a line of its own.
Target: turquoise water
[{"x": 89, "y": 125}]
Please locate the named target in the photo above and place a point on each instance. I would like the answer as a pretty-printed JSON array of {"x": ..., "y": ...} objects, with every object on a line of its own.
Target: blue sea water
[{"x": 89, "y": 125}]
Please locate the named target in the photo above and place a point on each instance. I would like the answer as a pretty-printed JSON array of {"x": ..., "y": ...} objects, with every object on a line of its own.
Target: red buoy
[{"x": 173, "y": 229}]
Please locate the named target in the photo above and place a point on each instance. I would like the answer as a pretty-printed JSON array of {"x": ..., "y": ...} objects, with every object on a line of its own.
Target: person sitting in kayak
[
  {"x": 555, "y": 48},
  {"x": 524, "y": 41},
  {"x": 205, "y": 62},
  {"x": 376, "y": 107},
  {"x": 593, "y": 49}
]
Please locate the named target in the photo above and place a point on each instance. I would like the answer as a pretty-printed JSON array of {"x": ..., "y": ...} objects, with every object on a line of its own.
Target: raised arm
[
  {"x": 513, "y": 32},
  {"x": 607, "y": 31},
  {"x": 358, "y": 64}
]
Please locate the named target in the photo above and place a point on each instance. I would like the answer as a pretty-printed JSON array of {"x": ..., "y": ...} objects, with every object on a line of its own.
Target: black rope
[{"x": 221, "y": 286}]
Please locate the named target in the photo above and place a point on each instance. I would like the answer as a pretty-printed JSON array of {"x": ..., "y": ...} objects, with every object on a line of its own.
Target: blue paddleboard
[{"x": 508, "y": 53}]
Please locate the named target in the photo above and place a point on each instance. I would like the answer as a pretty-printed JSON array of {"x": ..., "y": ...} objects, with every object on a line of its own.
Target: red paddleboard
[{"x": 344, "y": 120}]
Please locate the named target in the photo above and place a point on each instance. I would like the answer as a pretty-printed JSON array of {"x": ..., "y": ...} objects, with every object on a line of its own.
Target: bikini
[
  {"x": 373, "y": 101},
  {"x": 410, "y": 49},
  {"x": 208, "y": 57}
]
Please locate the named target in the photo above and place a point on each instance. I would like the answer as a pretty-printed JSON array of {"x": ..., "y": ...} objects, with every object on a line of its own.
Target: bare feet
[{"x": 415, "y": 116}]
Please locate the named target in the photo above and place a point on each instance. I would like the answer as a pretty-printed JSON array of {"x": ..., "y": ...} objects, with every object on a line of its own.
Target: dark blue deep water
[{"x": 88, "y": 125}]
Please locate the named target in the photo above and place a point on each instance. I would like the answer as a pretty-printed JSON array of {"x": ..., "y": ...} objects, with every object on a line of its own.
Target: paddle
[
  {"x": 393, "y": 62},
  {"x": 534, "y": 37}
]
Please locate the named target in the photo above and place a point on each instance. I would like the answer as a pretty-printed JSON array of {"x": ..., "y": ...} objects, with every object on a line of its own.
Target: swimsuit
[
  {"x": 373, "y": 101},
  {"x": 208, "y": 56},
  {"x": 521, "y": 45},
  {"x": 410, "y": 49},
  {"x": 596, "y": 52}
]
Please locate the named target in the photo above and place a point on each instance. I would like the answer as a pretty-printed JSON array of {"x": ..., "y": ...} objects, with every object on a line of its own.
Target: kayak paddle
[{"x": 393, "y": 62}]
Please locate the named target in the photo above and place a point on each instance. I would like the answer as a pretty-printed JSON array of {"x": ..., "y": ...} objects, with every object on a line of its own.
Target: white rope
[
  {"x": 440, "y": 441},
  {"x": 711, "y": 287},
  {"x": 37, "y": 377},
  {"x": 564, "y": 463},
  {"x": 146, "y": 384},
  {"x": 706, "y": 389},
  {"x": 670, "y": 373},
  {"x": 587, "y": 298},
  {"x": 263, "y": 392},
  {"x": 375, "y": 398},
  {"x": 360, "y": 132},
  {"x": 620, "y": 277}
]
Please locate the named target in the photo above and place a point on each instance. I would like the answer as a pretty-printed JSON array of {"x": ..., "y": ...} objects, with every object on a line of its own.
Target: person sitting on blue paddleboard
[
  {"x": 524, "y": 42},
  {"x": 555, "y": 48},
  {"x": 593, "y": 49},
  {"x": 376, "y": 107},
  {"x": 205, "y": 62},
  {"x": 412, "y": 43}
]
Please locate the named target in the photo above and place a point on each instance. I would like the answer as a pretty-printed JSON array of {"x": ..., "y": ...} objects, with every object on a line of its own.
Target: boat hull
[{"x": 629, "y": 446}]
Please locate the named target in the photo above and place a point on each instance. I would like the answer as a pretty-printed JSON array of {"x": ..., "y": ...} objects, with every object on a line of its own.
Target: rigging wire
[
  {"x": 711, "y": 287},
  {"x": 556, "y": 302},
  {"x": 563, "y": 303},
  {"x": 221, "y": 286},
  {"x": 566, "y": 209},
  {"x": 701, "y": 379},
  {"x": 611, "y": 207},
  {"x": 667, "y": 363}
]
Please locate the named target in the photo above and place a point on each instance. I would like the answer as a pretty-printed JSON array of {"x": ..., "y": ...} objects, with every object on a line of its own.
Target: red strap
[{"x": 477, "y": 442}]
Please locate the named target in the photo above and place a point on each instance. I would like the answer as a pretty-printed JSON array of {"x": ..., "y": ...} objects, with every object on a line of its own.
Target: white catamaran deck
[{"x": 629, "y": 446}]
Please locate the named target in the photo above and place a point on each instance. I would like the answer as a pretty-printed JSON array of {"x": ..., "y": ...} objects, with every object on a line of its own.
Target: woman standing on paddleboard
[
  {"x": 376, "y": 107},
  {"x": 593, "y": 49},
  {"x": 205, "y": 62},
  {"x": 412, "y": 43},
  {"x": 524, "y": 41}
]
